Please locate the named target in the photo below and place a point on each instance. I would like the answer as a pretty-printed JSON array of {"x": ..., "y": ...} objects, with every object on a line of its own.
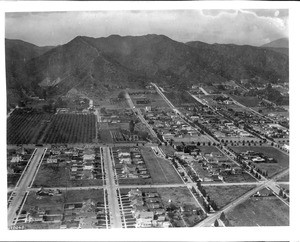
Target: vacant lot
[
  {"x": 285, "y": 178},
  {"x": 244, "y": 177},
  {"x": 161, "y": 170},
  {"x": 208, "y": 149},
  {"x": 272, "y": 168},
  {"x": 168, "y": 150},
  {"x": 12, "y": 179},
  {"x": 96, "y": 195},
  {"x": 260, "y": 212},
  {"x": 57, "y": 175},
  {"x": 179, "y": 196},
  {"x": 247, "y": 101},
  {"x": 222, "y": 195}
]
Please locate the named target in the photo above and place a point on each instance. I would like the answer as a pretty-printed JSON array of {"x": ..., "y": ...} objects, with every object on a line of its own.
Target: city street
[
  {"x": 111, "y": 190},
  {"x": 21, "y": 189}
]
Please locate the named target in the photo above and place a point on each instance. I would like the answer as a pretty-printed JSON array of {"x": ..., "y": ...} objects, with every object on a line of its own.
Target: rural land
[{"x": 146, "y": 132}]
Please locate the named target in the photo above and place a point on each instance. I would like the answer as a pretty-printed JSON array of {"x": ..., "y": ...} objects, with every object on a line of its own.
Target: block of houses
[{"x": 134, "y": 192}]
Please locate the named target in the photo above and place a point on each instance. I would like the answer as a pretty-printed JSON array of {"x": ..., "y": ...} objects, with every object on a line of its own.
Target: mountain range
[{"x": 98, "y": 65}]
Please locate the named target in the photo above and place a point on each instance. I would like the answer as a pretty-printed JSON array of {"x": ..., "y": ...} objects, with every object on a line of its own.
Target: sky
[{"x": 238, "y": 26}]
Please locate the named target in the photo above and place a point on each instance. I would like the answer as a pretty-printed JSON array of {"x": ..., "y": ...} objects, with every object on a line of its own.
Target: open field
[
  {"x": 285, "y": 178},
  {"x": 167, "y": 149},
  {"x": 161, "y": 170},
  {"x": 247, "y": 101},
  {"x": 223, "y": 195},
  {"x": 74, "y": 196},
  {"x": 208, "y": 149},
  {"x": 179, "y": 196},
  {"x": 257, "y": 211},
  {"x": 272, "y": 168},
  {"x": 244, "y": 177},
  {"x": 12, "y": 179},
  {"x": 105, "y": 136},
  {"x": 57, "y": 175}
]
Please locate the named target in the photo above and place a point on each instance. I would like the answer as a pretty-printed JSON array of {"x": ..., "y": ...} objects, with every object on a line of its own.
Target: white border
[{"x": 192, "y": 234}]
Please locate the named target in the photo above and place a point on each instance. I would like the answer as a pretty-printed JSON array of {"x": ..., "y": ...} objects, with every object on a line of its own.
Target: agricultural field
[
  {"x": 26, "y": 128},
  {"x": 272, "y": 168},
  {"x": 71, "y": 128},
  {"x": 32, "y": 128},
  {"x": 161, "y": 170},
  {"x": 222, "y": 195},
  {"x": 260, "y": 211}
]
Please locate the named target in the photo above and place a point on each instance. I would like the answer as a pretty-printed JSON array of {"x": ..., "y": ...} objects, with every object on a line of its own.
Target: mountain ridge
[{"x": 98, "y": 65}]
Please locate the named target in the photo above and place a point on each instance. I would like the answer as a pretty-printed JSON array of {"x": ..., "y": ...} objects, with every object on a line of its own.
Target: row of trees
[
  {"x": 23, "y": 128},
  {"x": 71, "y": 128}
]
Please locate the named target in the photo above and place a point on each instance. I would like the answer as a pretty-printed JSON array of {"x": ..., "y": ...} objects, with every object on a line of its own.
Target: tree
[
  {"x": 222, "y": 216},
  {"x": 280, "y": 193},
  {"x": 216, "y": 224},
  {"x": 122, "y": 95},
  {"x": 131, "y": 126}
]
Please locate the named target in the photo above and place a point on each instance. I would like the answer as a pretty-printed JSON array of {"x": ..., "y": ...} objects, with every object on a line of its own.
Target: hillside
[
  {"x": 279, "y": 43},
  {"x": 98, "y": 65},
  {"x": 280, "y": 46}
]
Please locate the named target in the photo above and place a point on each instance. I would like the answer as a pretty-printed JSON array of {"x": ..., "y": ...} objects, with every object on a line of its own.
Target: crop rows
[
  {"x": 22, "y": 128},
  {"x": 31, "y": 128},
  {"x": 71, "y": 128}
]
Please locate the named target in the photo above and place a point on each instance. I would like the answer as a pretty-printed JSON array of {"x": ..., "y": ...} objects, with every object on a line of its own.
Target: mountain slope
[
  {"x": 234, "y": 61},
  {"x": 18, "y": 53},
  {"x": 279, "y": 43},
  {"x": 98, "y": 65}
]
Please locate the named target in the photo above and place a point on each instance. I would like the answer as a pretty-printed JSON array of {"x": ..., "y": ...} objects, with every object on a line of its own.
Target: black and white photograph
[{"x": 147, "y": 119}]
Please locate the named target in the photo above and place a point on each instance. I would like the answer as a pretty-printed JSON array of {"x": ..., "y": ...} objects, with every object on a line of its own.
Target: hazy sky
[{"x": 253, "y": 27}]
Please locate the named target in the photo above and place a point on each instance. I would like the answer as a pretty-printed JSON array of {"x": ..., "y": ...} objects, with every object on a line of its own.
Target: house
[
  {"x": 16, "y": 159},
  {"x": 136, "y": 202},
  {"x": 134, "y": 192},
  {"x": 88, "y": 157},
  {"x": 264, "y": 192},
  {"x": 143, "y": 223}
]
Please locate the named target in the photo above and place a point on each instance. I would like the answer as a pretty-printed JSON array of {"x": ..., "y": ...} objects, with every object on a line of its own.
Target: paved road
[
  {"x": 211, "y": 219},
  {"x": 139, "y": 114},
  {"x": 111, "y": 190},
  {"x": 22, "y": 187}
]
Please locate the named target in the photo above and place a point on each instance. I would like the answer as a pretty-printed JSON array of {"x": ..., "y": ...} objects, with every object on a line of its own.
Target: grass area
[
  {"x": 105, "y": 136},
  {"x": 260, "y": 212},
  {"x": 161, "y": 170},
  {"x": 135, "y": 181},
  {"x": 179, "y": 196},
  {"x": 12, "y": 179},
  {"x": 208, "y": 149},
  {"x": 168, "y": 150},
  {"x": 272, "y": 168},
  {"x": 222, "y": 195},
  {"x": 50, "y": 175},
  {"x": 45, "y": 202},
  {"x": 247, "y": 101},
  {"x": 285, "y": 178},
  {"x": 244, "y": 177},
  {"x": 73, "y": 196},
  {"x": 57, "y": 175}
]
